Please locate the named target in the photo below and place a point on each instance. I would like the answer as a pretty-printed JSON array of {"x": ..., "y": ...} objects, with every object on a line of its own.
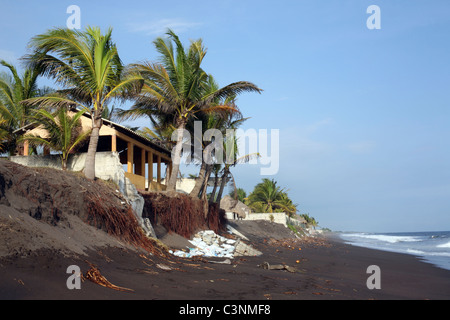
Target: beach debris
[
  {"x": 163, "y": 267},
  {"x": 209, "y": 244},
  {"x": 266, "y": 265},
  {"x": 94, "y": 275},
  {"x": 226, "y": 261},
  {"x": 243, "y": 249},
  {"x": 292, "y": 244},
  {"x": 232, "y": 230},
  {"x": 147, "y": 271}
]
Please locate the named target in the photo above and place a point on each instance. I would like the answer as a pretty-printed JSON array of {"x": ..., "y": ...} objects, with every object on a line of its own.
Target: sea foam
[{"x": 432, "y": 247}]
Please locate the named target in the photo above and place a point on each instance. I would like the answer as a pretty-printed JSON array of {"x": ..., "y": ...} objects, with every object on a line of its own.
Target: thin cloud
[{"x": 159, "y": 27}]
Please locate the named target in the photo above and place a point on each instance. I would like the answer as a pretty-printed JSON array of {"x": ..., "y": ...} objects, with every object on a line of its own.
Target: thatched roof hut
[{"x": 231, "y": 205}]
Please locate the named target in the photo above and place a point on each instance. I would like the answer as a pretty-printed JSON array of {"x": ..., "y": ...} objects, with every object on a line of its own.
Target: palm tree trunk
[
  {"x": 204, "y": 189},
  {"x": 200, "y": 181},
  {"x": 64, "y": 164},
  {"x": 213, "y": 192},
  {"x": 89, "y": 167},
  {"x": 222, "y": 185},
  {"x": 176, "y": 157}
]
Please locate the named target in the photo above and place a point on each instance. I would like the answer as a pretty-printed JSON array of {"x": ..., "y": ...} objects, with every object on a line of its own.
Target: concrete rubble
[{"x": 209, "y": 244}]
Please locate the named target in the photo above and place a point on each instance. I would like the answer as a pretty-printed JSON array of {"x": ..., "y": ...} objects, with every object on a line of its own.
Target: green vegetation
[
  {"x": 3, "y": 134},
  {"x": 239, "y": 194},
  {"x": 64, "y": 132},
  {"x": 267, "y": 196},
  {"x": 89, "y": 68},
  {"x": 296, "y": 229},
  {"x": 14, "y": 89},
  {"x": 177, "y": 90},
  {"x": 173, "y": 93},
  {"x": 310, "y": 220}
]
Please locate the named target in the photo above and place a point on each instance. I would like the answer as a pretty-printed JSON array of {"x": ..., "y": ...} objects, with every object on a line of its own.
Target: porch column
[
  {"x": 150, "y": 169},
  {"x": 143, "y": 158},
  {"x": 26, "y": 147},
  {"x": 113, "y": 142},
  {"x": 130, "y": 156},
  {"x": 159, "y": 169}
]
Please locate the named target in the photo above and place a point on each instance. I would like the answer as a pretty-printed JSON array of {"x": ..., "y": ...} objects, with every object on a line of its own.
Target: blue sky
[{"x": 363, "y": 114}]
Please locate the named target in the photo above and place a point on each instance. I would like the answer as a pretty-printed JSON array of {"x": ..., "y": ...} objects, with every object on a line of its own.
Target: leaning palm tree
[
  {"x": 231, "y": 153},
  {"x": 175, "y": 88},
  {"x": 216, "y": 169},
  {"x": 213, "y": 152},
  {"x": 64, "y": 132},
  {"x": 14, "y": 89},
  {"x": 227, "y": 119},
  {"x": 88, "y": 65}
]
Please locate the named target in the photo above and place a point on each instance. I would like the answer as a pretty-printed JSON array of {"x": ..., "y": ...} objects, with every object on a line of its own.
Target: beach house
[{"x": 145, "y": 161}]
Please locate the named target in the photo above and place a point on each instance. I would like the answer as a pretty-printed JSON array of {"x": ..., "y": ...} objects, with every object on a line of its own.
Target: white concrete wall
[{"x": 277, "y": 217}]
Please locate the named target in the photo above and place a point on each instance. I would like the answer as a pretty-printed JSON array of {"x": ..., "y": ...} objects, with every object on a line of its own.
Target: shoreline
[
  {"x": 422, "y": 256},
  {"x": 328, "y": 269}
]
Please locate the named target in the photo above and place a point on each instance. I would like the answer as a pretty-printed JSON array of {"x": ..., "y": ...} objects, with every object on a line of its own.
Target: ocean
[{"x": 431, "y": 247}]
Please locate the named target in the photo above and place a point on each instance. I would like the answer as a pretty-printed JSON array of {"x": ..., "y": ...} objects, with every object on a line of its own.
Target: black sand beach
[
  {"x": 44, "y": 230},
  {"x": 326, "y": 269}
]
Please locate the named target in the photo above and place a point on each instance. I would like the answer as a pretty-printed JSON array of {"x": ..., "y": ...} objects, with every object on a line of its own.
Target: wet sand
[{"x": 326, "y": 270}]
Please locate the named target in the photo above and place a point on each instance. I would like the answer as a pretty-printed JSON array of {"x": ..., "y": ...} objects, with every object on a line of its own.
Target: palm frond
[{"x": 54, "y": 101}]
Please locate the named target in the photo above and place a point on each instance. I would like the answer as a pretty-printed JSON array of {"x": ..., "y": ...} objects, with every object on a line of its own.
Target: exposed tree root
[{"x": 182, "y": 214}]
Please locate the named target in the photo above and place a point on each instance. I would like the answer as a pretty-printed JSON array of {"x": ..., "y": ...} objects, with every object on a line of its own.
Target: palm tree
[
  {"x": 238, "y": 194},
  {"x": 14, "y": 89},
  {"x": 109, "y": 113},
  {"x": 285, "y": 204},
  {"x": 266, "y": 195},
  {"x": 64, "y": 132},
  {"x": 216, "y": 169},
  {"x": 310, "y": 220},
  {"x": 176, "y": 88},
  {"x": 231, "y": 154},
  {"x": 229, "y": 120},
  {"x": 3, "y": 133},
  {"x": 88, "y": 65}
]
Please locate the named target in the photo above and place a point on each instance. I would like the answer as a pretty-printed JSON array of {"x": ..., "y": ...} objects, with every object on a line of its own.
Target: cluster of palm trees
[
  {"x": 173, "y": 93},
  {"x": 267, "y": 197},
  {"x": 14, "y": 89}
]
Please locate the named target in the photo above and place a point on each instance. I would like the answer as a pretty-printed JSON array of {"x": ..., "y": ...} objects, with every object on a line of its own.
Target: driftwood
[
  {"x": 266, "y": 265},
  {"x": 94, "y": 275}
]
